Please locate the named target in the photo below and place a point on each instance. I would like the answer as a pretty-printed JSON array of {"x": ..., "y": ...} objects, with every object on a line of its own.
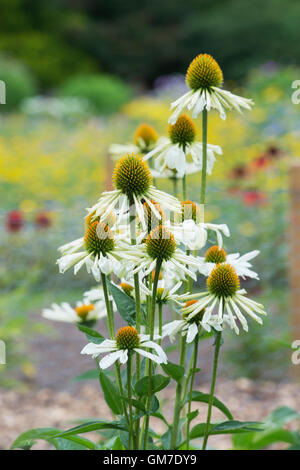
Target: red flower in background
[
  {"x": 261, "y": 162},
  {"x": 42, "y": 220},
  {"x": 254, "y": 197},
  {"x": 14, "y": 221}
]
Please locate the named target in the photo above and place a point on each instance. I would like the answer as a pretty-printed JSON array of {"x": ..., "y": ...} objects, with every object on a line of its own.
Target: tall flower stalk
[{"x": 212, "y": 388}]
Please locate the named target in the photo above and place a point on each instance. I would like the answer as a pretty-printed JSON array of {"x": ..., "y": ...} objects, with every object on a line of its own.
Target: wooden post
[{"x": 294, "y": 255}]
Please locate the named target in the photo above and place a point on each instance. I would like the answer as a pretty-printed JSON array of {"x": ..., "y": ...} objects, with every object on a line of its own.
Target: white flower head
[
  {"x": 216, "y": 255},
  {"x": 98, "y": 250},
  {"x": 160, "y": 246},
  {"x": 224, "y": 294},
  {"x": 127, "y": 340},
  {"x": 191, "y": 327},
  {"x": 145, "y": 138},
  {"x": 190, "y": 229},
  {"x": 204, "y": 78},
  {"x": 171, "y": 153},
  {"x": 133, "y": 181},
  {"x": 82, "y": 313}
]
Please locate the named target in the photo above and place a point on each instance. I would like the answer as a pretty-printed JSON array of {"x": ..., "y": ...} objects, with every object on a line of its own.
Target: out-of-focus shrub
[
  {"x": 58, "y": 108},
  {"x": 49, "y": 58},
  {"x": 19, "y": 82},
  {"x": 106, "y": 94}
]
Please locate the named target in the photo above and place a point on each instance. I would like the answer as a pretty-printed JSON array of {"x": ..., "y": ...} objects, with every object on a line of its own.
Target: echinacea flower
[
  {"x": 215, "y": 255},
  {"x": 99, "y": 251},
  {"x": 172, "y": 152},
  {"x": 133, "y": 182},
  {"x": 191, "y": 327},
  {"x": 160, "y": 246},
  {"x": 145, "y": 138},
  {"x": 190, "y": 169},
  {"x": 224, "y": 293},
  {"x": 165, "y": 294},
  {"x": 190, "y": 229},
  {"x": 204, "y": 77},
  {"x": 82, "y": 313},
  {"x": 127, "y": 340}
]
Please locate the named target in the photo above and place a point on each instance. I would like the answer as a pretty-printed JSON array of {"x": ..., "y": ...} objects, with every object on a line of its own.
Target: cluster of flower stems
[{"x": 139, "y": 431}]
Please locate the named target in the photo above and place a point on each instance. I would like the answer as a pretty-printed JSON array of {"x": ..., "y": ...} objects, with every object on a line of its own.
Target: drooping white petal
[{"x": 111, "y": 358}]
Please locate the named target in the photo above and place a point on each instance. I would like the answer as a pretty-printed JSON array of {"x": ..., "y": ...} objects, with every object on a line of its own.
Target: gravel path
[
  {"x": 55, "y": 400},
  {"x": 246, "y": 400}
]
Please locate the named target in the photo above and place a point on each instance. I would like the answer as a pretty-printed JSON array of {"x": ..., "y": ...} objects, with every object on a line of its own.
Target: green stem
[
  {"x": 111, "y": 329},
  {"x": 175, "y": 187},
  {"x": 129, "y": 371},
  {"x": 195, "y": 356},
  {"x": 178, "y": 405},
  {"x": 212, "y": 387},
  {"x": 184, "y": 187},
  {"x": 204, "y": 155},
  {"x": 152, "y": 324},
  {"x": 110, "y": 315},
  {"x": 160, "y": 321}
]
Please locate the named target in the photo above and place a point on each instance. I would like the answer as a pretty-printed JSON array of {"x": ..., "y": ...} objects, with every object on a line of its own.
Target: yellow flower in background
[{"x": 28, "y": 205}]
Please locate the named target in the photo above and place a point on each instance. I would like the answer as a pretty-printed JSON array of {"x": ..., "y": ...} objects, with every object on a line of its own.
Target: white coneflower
[
  {"x": 165, "y": 294},
  {"x": 145, "y": 138},
  {"x": 96, "y": 295},
  {"x": 190, "y": 169},
  {"x": 215, "y": 255},
  {"x": 82, "y": 313},
  {"x": 191, "y": 327},
  {"x": 127, "y": 340},
  {"x": 190, "y": 230},
  {"x": 99, "y": 252},
  {"x": 171, "y": 153},
  {"x": 204, "y": 77},
  {"x": 133, "y": 182},
  {"x": 223, "y": 292},
  {"x": 160, "y": 246}
]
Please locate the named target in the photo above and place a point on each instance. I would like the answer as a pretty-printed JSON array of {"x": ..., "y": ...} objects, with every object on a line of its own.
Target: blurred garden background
[{"x": 81, "y": 75}]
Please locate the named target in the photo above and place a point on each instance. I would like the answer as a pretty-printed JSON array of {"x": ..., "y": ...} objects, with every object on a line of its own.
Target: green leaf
[
  {"x": 273, "y": 431},
  {"x": 158, "y": 383},
  {"x": 228, "y": 427},
  {"x": 204, "y": 398},
  {"x": 92, "y": 426},
  {"x": 92, "y": 335},
  {"x": 154, "y": 405},
  {"x": 111, "y": 394},
  {"x": 282, "y": 415},
  {"x": 72, "y": 443},
  {"x": 233, "y": 425},
  {"x": 117, "y": 444},
  {"x": 88, "y": 375},
  {"x": 173, "y": 370},
  {"x": 28, "y": 438},
  {"x": 192, "y": 415},
  {"x": 125, "y": 304}
]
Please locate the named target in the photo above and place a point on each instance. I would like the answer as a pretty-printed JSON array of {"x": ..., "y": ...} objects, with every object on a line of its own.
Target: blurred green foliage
[
  {"x": 18, "y": 80},
  {"x": 141, "y": 40},
  {"x": 105, "y": 94}
]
